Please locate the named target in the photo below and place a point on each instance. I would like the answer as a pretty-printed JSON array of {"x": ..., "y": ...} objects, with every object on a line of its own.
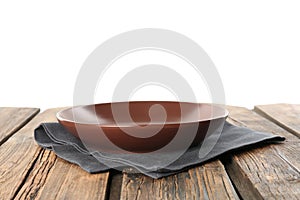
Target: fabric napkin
[{"x": 55, "y": 137}]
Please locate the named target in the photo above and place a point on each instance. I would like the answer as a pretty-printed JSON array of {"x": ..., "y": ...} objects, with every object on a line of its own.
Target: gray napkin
[{"x": 55, "y": 137}]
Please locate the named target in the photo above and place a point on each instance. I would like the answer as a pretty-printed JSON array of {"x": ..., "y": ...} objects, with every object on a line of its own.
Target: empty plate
[{"x": 142, "y": 126}]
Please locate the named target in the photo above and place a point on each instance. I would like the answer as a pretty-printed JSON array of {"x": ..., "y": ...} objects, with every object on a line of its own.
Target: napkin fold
[{"x": 55, "y": 137}]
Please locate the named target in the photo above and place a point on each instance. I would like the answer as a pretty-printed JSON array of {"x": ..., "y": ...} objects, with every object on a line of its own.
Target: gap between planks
[
  {"x": 18, "y": 154},
  {"x": 13, "y": 119}
]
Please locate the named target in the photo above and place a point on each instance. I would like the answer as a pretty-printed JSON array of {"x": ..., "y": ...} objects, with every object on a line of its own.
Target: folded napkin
[{"x": 55, "y": 137}]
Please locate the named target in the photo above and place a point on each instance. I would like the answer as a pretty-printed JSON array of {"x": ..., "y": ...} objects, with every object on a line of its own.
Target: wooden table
[{"x": 266, "y": 172}]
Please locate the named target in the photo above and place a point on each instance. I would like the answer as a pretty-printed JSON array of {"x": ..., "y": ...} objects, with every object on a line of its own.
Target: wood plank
[
  {"x": 18, "y": 154},
  {"x": 27, "y": 171},
  {"x": 269, "y": 171},
  {"x": 284, "y": 115},
  {"x": 64, "y": 181},
  {"x": 12, "y": 119},
  {"x": 208, "y": 181}
]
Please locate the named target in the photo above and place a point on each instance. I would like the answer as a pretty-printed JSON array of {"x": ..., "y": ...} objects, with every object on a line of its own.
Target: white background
[{"x": 255, "y": 45}]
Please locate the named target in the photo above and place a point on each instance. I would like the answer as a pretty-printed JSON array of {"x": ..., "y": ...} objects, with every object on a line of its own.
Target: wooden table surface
[{"x": 266, "y": 172}]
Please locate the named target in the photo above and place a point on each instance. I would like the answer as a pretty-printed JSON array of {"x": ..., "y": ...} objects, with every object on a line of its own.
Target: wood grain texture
[
  {"x": 12, "y": 119},
  {"x": 18, "y": 154},
  {"x": 208, "y": 181},
  {"x": 268, "y": 171},
  {"x": 285, "y": 115},
  {"x": 67, "y": 181},
  {"x": 29, "y": 172}
]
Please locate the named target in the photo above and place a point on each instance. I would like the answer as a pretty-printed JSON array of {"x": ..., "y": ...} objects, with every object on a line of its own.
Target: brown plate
[{"x": 131, "y": 126}]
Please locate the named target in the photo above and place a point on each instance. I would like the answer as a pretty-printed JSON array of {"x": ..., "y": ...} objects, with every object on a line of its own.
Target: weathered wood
[
  {"x": 67, "y": 181},
  {"x": 18, "y": 154},
  {"x": 36, "y": 179},
  {"x": 208, "y": 181},
  {"x": 27, "y": 171},
  {"x": 12, "y": 119},
  {"x": 267, "y": 172},
  {"x": 284, "y": 115}
]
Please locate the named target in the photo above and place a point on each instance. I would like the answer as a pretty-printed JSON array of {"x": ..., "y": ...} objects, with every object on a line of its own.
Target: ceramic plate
[{"x": 141, "y": 126}]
